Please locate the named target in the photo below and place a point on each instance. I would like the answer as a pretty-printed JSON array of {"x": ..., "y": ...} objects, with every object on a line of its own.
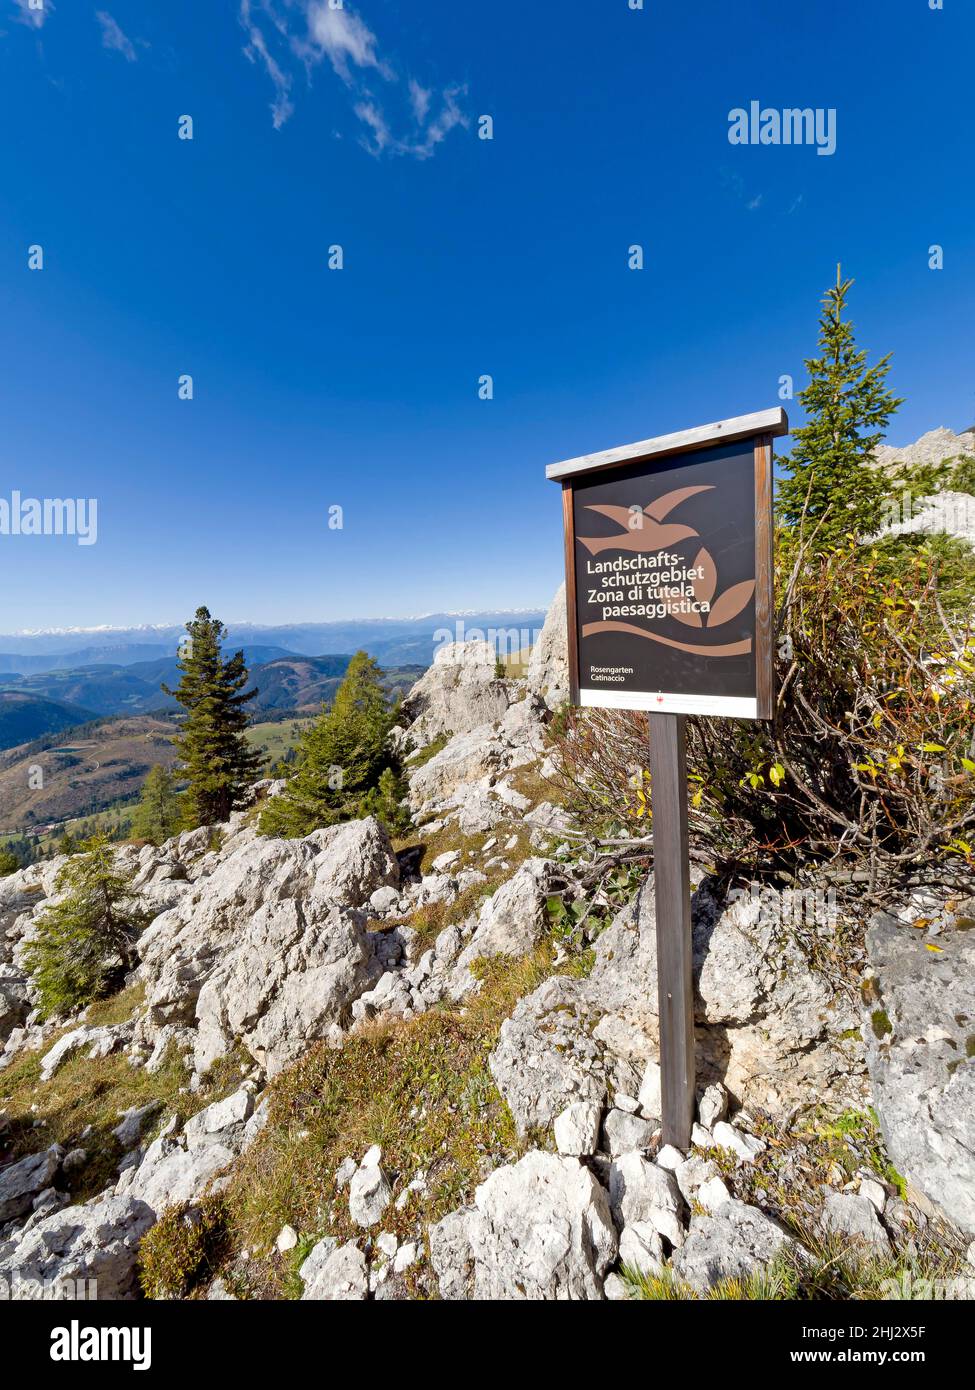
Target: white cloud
[
  {"x": 113, "y": 38},
  {"x": 411, "y": 122},
  {"x": 343, "y": 38},
  {"x": 256, "y": 50},
  {"x": 33, "y": 13},
  {"x": 419, "y": 100}
]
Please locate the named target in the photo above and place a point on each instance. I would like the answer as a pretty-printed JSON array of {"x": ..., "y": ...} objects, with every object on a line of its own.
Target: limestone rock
[
  {"x": 641, "y": 1247},
  {"x": 932, "y": 448},
  {"x": 467, "y": 758},
  {"x": 548, "y": 666},
  {"x": 95, "y": 1042},
  {"x": 288, "y": 980},
  {"x": 730, "y": 1243},
  {"x": 451, "y": 1255},
  {"x": 649, "y": 1097},
  {"x": 639, "y": 1191},
  {"x": 745, "y": 1146},
  {"x": 369, "y": 1190},
  {"x": 853, "y": 1215},
  {"x": 97, "y": 1241},
  {"x": 547, "y": 1056},
  {"x": 918, "y": 1024},
  {"x": 511, "y": 922},
  {"x": 184, "y": 946},
  {"x": 458, "y": 692},
  {"x": 342, "y": 1276},
  {"x": 541, "y": 1230},
  {"x": 21, "y": 1182},
  {"x": 623, "y": 1132},
  {"x": 133, "y": 1121},
  {"x": 577, "y": 1129},
  {"x": 179, "y": 1167},
  {"x": 713, "y": 1105}
]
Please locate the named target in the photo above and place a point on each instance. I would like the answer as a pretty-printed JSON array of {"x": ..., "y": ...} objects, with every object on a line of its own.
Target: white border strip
[
  {"x": 728, "y": 706},
  {"x": 774, "y": 422}
]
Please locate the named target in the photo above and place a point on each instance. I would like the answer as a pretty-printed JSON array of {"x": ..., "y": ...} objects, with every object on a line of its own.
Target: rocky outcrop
[
  {"x": 288, "y": 981},
  {"x": 88, "y": 1251},
  {"x": 932, "y": 448},
  {"x": 459, "y": 692},
  {"x": 548, "y": 666},
  {"x": 511, "y": 921},
  {"x": 179, "y": 1167},
  {"x": 93, "y": 1041},
  {"x": 264, "y": 935},
  {"x": 770, "y": 1027},
  {"x": 335, "y": 1273},
  {"x": 919, "y": 1026}
]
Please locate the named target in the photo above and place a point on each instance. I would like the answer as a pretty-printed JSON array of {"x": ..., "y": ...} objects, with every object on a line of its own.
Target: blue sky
[{"x": 359, "y": 388}]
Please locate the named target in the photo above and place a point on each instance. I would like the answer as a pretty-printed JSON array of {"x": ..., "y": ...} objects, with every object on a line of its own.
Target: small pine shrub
[
  {"x": 184, "y": 1248},
  {"x": 85, "y": 943}
]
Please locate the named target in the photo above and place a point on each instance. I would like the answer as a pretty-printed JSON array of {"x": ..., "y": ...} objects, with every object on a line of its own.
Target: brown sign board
[{"x": 668, "y": 546}]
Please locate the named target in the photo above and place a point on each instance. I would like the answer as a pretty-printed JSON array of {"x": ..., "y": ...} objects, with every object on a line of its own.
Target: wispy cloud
[
  {"x": 256, "y": 50},
  {"x": 33, "y": 12},
  {"x": 419, "y": 100},
  {"x": 398, "y": 114},
  {"x": 113, "y": 37}
]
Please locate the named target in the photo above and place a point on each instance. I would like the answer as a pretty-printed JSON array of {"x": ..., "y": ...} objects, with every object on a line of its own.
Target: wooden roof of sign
[{"x": 768, "y": 422}]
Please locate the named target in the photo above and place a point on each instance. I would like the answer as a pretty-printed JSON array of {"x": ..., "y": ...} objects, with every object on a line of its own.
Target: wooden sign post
[{"x": 668, "y": 555}]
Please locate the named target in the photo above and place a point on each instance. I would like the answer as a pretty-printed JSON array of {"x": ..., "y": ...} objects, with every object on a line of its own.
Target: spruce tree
[
  {"x": 848, "y": 407},
  {"x": 158, "y": 814},
  {"x": 214, "y": 754},
  {"x": 339, "y": 759}
]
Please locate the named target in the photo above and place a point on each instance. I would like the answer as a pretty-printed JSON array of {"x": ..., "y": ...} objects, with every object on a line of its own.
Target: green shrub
[
  {"x": 185, "y": 1247},
  {"x": 868, "y": 761}
]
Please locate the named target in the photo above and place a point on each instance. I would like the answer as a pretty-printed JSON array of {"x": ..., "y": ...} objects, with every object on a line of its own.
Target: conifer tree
[
  {"x": 848, "y": 408},
  {"x": 9, "y": 863},
  {"x": 213, "y": 751},
  {"x": 158, "y": 814},
  {"x": 339, "y": 759},
  {"x": 85, "y": 942}
]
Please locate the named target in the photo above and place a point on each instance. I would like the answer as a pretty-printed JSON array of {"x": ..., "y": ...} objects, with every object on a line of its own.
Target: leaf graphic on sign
[
  {"x": 705, "y": 586},
  {"x": 731, "y": 603}
]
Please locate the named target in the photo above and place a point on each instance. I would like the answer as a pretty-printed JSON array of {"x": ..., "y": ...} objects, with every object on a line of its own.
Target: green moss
[{"x": 881, "y": 1024}]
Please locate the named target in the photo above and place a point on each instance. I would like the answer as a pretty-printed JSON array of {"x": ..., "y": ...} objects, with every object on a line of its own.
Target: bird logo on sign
[{"x": 644, "y": 529}]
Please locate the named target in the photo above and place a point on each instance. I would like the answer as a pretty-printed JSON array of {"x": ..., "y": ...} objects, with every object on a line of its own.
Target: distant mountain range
[
  {"x": 392, "y": 641},
  {"x": 31, "y": 706}
]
